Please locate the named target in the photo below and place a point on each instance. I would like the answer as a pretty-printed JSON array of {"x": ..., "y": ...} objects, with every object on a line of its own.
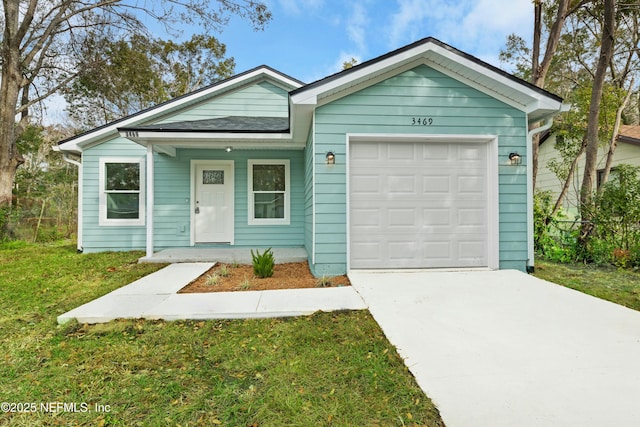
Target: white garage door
[{"x": 418, "y": 205}]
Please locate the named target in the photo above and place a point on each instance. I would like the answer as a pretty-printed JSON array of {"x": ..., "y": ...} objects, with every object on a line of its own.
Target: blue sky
[{"x": 310, "y": 39}]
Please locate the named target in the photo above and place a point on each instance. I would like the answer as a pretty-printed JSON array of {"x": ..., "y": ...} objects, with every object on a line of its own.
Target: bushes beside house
[{"x": 614, "y": 231}]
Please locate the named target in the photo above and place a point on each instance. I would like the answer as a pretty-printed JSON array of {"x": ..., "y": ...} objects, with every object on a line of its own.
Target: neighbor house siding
[
  {"x": 388, "y": 108},
  {"x": 98, "y": 238},
  {"x": 548, "y": 181},
  {"x": 262, "y": 99},
  {"x": 173, "y": 205}
]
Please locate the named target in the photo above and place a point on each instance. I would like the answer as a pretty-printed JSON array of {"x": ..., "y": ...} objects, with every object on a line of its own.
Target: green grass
[
  {"x": 609, "y": 283},
  {"x": 330, "y": 369}
]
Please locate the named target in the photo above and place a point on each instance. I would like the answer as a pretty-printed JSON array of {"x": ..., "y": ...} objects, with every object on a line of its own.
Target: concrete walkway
[
  {"x": 491, "y": 348},
  {"x": 503, "y": 349},
  {"x": 154, "y": 297}
]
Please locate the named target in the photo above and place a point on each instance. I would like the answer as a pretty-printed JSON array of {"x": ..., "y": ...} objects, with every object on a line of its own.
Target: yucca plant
[{"x": 263, "y": 263}]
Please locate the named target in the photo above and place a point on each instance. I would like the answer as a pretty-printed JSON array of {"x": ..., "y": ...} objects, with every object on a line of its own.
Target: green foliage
[
  {"x": 606, "y": 282},
  {"x": 616, "y": 225},
  {"x": 552, "y": 239},
  {"x": 324, "y": 282},
  {"x": 617, "y": 216},
  {"x": 120, "y": 77},
  {"x": 263, "y": 263},
  {"x": 44, "y": 205}
]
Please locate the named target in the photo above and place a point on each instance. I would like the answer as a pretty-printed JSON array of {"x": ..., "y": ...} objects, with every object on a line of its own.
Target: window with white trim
[
  {"x": 269, "y": 192},
  {"x": 122, "y": 197}
]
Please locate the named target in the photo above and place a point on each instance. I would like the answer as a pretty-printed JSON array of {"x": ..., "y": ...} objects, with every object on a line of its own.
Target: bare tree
[
  {"x": 41, "y": 38},
  {"x": 592, "y": 136}
]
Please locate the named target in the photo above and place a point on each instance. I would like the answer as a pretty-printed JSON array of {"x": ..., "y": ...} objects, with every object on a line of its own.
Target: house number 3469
[{"x": 422, "y": 121}]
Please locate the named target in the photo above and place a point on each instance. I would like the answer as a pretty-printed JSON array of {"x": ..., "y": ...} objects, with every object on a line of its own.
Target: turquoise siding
[
  {"x": 172, "y": 210},
  {"x": 388, "y": 108},
  {"x": 263, "y": 99},
  {"x": 98, "y": 238},
  {"x": 172, "y": 227},
  {"x": 308, "y": 197}
]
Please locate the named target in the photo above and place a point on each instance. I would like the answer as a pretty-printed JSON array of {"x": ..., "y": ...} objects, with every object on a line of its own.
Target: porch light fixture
[
  {"x": 331, "y": 158},
  {"x": 228, "y": 149},
  {"x": 515, "y": 158}
]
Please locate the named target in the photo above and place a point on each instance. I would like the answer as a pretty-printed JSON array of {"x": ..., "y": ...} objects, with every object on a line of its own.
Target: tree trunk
[
  {"x": 11, "y": 79},
  {"x": 539, "y": 68},
  {"x": 616, "y": 128},
  {"x": 591, "y": 159}
]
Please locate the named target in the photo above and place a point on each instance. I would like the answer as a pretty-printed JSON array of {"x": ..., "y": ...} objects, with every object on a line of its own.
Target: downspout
[
  {"x": 530, "y": 245},
  {"x": 67, "y": 159}
]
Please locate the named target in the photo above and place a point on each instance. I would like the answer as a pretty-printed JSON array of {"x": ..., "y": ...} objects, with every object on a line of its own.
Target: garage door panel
[
  {"x": 473, "y": 184},
  {"x": 434, "y": 152},
  {"x": 401, "y": 184},
  {"x": 401, "y": 151},
  {"x": 402, "y": 218},
  {"x": 436, "y": 184},
  {"x": 365, "y": 218},
  {"x": 366, "y": 184},
  {"x": 365, "y": 151},
  {"x": 470, "y": 151},
  {"x": 426, "y": 209}
]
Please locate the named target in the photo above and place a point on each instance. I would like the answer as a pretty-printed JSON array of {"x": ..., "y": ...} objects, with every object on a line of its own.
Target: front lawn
[
  {"x": 334, "y": 369},
  {"x": 609, "y": 283}
]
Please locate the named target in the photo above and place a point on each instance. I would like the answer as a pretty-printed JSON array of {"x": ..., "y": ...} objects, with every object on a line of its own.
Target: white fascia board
[
  {"x": 80, "y": 142},
  {"x": 311, "y": 96},
  {"x": 431, "y": 55}
]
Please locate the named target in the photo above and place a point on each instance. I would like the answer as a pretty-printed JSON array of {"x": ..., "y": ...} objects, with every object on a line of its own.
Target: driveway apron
[{"x": 502, "y": 348}]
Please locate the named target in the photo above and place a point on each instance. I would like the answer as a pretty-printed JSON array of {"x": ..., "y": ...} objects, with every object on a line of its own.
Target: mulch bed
[{"x": 232, "y": 277}]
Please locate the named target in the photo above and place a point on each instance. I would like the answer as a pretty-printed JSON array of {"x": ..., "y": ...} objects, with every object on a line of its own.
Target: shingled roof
[{"x": 229, "y": 124}]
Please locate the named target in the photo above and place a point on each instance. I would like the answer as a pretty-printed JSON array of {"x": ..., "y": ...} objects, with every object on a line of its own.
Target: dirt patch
[{"x": 231, "y": 277}]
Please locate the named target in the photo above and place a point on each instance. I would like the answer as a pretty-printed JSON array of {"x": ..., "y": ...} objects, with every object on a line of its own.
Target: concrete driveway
[{"x": 502, "y": 348}]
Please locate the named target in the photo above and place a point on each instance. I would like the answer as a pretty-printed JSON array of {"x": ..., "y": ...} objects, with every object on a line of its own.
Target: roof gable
[
  {"x": 164, "y": 111},
  {"x": 461, "y": 66}
]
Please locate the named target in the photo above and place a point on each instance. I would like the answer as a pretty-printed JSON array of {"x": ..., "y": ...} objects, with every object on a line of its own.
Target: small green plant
[
  {"x": 245, "y": 285},
  {"x": 263, "y": 263},
  {"x": 324, "y": 282},
  {"x": 223, "y": 271},
  {"x": 212, "y": 279}
]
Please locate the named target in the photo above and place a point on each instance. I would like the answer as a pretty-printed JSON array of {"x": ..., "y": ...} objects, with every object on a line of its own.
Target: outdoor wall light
[
  {"x": 515, "y": 158},
  {"x": 331, "y": 158},
  {"x": 228, "y": 149}
]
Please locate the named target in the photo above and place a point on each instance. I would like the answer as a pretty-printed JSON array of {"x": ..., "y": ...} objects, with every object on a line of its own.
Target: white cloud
[
  {"x": 357, "y": 26},
  {"x": 479, "y": 27}
]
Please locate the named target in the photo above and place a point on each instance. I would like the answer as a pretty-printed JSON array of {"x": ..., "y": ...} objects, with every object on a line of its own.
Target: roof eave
[
  {"x": 243, "y": 140},
  {"x": 431, "y": 52}
]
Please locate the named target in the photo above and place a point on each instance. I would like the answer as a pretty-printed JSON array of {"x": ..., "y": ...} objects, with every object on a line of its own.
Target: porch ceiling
[{"x": 237, "y": 132}]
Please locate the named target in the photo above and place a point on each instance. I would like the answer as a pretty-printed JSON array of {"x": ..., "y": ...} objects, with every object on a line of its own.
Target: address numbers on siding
[{"x": 422, "y": 121}]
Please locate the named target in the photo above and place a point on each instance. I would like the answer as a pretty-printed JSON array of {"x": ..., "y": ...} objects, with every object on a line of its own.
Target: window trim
[
  {"x": 116, "y": 222},
  {"x": 287, "y": 192}
]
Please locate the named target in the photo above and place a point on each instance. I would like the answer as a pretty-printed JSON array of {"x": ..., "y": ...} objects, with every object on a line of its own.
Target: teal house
[{"x": 416, "y": 159}]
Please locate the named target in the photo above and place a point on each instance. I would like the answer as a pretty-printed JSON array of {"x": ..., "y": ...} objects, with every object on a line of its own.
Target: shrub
[
  {"x": 263, "y": 263},
  {"x": 324, "y": 282}
]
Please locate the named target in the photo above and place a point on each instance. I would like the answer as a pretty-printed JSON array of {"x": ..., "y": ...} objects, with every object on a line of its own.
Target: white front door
[{"x": 213, "y": 211}]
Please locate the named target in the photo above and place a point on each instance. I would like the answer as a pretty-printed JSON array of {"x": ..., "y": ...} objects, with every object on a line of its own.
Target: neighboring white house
[{"x": 627, "y": 152}]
